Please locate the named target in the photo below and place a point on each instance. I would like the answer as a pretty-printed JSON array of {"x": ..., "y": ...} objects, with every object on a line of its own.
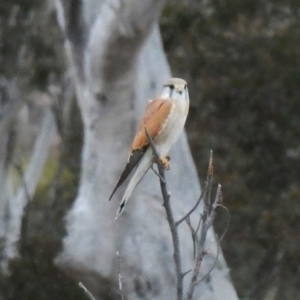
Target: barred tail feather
[{"x": 139, "y": 173}]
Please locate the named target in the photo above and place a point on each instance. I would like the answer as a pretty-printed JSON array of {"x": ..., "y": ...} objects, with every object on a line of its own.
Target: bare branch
[
  {"x": 209, "y": 212},
  {"x": 191, "y": 211},
  {"x": 215, "y": 205},
  {"x": 227, "y": 223},
  {"x": 157, "y": 174},
  {"x": 199, "y": 224},
  {"x": 187, "y": 272},
  {"x": 210, "y": 175},
  {"x": 170, "y": 218},
  {"x": 213, "y": 266},
  {"x": 193, "y": 234},
  {"x": 87, "y": 292}
]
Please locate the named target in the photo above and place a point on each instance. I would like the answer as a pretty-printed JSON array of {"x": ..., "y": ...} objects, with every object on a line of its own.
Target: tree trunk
[{"x": 116, "y": 57}]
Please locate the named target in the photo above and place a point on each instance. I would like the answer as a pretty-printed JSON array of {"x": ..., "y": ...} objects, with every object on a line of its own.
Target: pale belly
[{"x": 171, "y": 132}]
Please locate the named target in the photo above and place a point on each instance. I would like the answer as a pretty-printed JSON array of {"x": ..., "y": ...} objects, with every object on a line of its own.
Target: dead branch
[
  {"x": 170, "y": 217},
  {"x": 209, "y": 213},
  {"x": 191, "y": 211},
  {"x": 193, "y": 234},
  {"x": 227, "y": 223},
  {"x": 213, "y": 266}
]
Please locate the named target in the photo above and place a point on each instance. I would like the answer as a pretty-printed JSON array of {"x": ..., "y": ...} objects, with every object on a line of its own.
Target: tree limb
[
  {"x": 170, "y": 217},
  {"x": 209, "y": 212},
  {"x": 191, "y": 211}
]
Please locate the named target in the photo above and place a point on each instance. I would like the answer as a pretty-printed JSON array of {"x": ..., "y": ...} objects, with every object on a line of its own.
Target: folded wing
[
  {"x": 155, "y": 115},
  {"x": 133, "y": 160}
]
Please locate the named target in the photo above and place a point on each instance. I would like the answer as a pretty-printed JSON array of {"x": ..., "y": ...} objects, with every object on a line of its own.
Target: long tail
[{"x": 139, "y": 173}]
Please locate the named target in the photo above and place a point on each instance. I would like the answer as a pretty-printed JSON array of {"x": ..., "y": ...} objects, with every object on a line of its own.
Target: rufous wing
[{"x": 156, "y": 114}]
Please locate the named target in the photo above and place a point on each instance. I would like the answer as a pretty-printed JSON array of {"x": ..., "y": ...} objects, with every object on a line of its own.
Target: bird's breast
[{"x": 171, "y": 129}]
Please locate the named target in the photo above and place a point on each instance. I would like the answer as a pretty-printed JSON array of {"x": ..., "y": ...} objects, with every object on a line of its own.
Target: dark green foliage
[
  {"x": 241, "y": 59},
  {"x": 29, "y": 43}
]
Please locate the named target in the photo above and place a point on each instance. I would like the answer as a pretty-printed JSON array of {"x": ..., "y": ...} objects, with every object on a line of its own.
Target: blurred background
[{"x": 242, "y": 62}]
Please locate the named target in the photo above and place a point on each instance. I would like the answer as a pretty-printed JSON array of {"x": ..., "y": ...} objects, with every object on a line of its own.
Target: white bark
[
  {"x": 31, "y": 178},
  {"x": 116, "y": 71},
  {"x": 7, "y": 116}
]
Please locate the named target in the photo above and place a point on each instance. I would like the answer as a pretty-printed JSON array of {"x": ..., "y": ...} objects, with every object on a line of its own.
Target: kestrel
[{"x": 164, "y": 120}]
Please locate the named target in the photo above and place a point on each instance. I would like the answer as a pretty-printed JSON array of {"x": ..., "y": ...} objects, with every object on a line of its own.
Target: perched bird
[{"x": 164, "y": 120}]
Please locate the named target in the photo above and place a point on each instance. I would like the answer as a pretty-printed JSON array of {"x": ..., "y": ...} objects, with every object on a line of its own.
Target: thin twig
[
  {"x": 210, "y": 175},
  {"x": 215, "y": 205},
  {"x": 191, "y": 211},
  {"x": 121, "y": 292},
  {"x": 187, "y": 272},
  {"x": 213, "y": 266},
  {"x": 227, "y": 223},
  {"x": 87, "y": 292},
  {"x": 156, "y": 173},
  {"x": 199, "y": 224},
  {"x": 170, "y": 218},
  {"x": 209, "y": 212},
  {"x": 193, "y": 234}
]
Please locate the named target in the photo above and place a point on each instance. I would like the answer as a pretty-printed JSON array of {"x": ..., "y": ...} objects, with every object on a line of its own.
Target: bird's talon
[{"x": 165, "y": 162}]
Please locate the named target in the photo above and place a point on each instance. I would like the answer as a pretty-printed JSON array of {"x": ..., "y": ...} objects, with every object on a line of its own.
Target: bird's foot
[{"x": 165, "y": 161}]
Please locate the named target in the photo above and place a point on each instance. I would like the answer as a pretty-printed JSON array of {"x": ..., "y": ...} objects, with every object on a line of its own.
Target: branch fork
[{"x": 199, "y": 234}]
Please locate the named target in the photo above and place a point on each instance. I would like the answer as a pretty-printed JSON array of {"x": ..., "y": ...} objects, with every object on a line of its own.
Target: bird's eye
[{"x": 171, "y": 86}]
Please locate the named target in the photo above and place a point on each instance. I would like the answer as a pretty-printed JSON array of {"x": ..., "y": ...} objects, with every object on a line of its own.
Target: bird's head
[{"x": 176, "y": 89}]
